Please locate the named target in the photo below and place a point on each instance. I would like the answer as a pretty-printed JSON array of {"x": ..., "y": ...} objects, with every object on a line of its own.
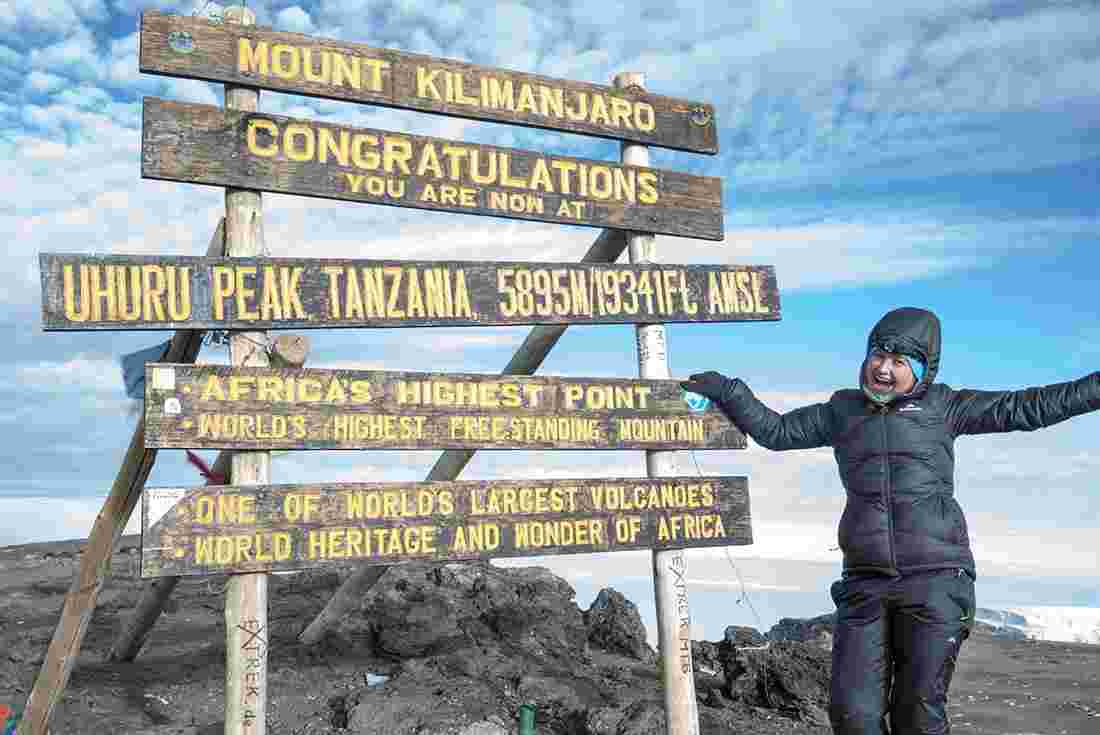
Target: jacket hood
[{"x": 910, "y": 331}]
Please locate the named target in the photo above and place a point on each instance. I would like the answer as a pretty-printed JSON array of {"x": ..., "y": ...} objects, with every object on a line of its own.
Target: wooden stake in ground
[
  {"x": 289, "y": 350},
  {"x": 669, "y": 567},
  {"x": 95, "y": 564},
  {"x": 246, "y": 629},
  {"x": 526, "y": 361}
]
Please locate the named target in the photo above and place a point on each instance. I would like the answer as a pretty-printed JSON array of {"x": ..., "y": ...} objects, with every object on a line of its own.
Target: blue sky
[{"x": 935, "y": 154}]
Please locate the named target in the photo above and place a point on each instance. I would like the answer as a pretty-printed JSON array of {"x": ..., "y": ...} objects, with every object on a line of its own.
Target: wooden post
[
  {"x": 528, "y": 357},
  {"x": 289, "y": 350},
  {"x": 669, "y": 567},
  {"x": 95, "y": 564},
  {"x": 246, "y": 629}
]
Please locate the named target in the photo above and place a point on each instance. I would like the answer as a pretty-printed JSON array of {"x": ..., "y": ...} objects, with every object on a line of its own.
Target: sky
[{"x": 911, "y": 153}]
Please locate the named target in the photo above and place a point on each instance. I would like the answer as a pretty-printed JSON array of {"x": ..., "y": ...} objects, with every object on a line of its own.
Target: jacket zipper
[{"x": 889, "y": 496}]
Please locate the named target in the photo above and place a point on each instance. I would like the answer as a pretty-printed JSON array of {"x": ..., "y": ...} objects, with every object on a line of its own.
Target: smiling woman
[
  {"x": 888, "y": 374},
  {"x": 905, "y": 603}
]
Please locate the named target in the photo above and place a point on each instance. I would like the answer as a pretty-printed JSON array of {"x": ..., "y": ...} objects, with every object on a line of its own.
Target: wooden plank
[
  {"x": 210, "y": 145},
  {"x": 132, "y": 292},
  {"x": 218, "y": 530},
  {"x": 194, "y": 48},
  {"x": 225, "y": 407}
]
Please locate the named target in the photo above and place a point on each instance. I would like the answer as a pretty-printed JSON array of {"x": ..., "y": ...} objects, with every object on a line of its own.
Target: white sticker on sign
[
  {"x": 172, "y": 407},
  {"x": 164, "y": 378},
  {"x": 158, "y": 501}
]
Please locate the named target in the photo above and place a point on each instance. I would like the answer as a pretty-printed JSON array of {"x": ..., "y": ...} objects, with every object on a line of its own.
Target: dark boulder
[
  {"x": 424, "y": 698},
  {"x": 706, "y": 658},
  {"x": 742, "y": 635},
  {"x": 419, "y": 609},
  {"x": 615, "y": 625},
  {"x": 789, "y": 677},
  {"x": 817, "y": 630}
]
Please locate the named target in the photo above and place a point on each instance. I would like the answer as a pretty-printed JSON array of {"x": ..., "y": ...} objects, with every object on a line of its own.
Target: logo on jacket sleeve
[
  {"x": 696, "y": 402},
  {"x": 909, "y": 407}
]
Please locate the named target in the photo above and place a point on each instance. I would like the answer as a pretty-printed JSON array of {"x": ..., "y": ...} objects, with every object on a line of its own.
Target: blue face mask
[
  {"x": 915, "y": 363},
  {"x": 916, "y": 366}
]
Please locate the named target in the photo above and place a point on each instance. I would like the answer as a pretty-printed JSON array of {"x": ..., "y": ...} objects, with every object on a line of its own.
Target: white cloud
[
  {"x": 44, "y": 82},
  {"x": 294, "y": 19},
  {"x": 33, "y": 519},
  {"x": 44, "y": 150},
  {"x": 80, "y": 373},
  {"x": 76, "y": 53},
  {"x": 50, "y": 16}
]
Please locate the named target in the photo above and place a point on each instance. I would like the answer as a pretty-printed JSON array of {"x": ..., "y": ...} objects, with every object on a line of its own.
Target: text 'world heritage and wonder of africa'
[{"x": 212, "y": 530}]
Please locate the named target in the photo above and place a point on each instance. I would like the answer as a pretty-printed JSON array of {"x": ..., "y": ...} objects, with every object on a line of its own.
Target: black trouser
[{"x": 895, "y": 644}]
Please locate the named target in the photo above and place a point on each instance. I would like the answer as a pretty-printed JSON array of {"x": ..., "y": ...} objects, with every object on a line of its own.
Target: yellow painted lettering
[
  {"x": 429, "y": 162},
  {"x": 153, "y": 286},
  {"x": 396, "y": 153},
  {"x": 621, "y": 112},
  {"x": 347, "y": 71},
  {"x": 267, "y": 150},
  {"x": 285, "y": 61},
  {"x": 332, "y": 273},
  {"x": 647, "y": 187},
  {"x": 244, "y": 294},
  {"x": 71, "y": 312},
  {"x": 425, "y": 83},
  {"x": 303, "y": 133},
  {"x": 252, "y": 59}
]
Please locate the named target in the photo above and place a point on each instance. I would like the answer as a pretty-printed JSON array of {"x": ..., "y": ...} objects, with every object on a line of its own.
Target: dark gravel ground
[{"x": 176, "y": 686}]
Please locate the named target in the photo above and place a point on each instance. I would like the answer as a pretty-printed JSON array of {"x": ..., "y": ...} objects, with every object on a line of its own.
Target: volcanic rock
[
  {"x": 817, "y": 630},
  {"x": 418, "y": 610},
  {"x": 615, "y": 625},
  {"x": 788, "y": 676}
]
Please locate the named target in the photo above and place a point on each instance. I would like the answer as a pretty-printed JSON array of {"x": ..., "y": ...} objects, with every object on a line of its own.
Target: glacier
[{"x": 1045, "y": 622}]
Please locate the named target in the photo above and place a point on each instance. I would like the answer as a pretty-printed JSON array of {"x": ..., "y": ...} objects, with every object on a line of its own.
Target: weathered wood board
[
  {"x": 151, "y": 292},
  {"x": 218, "y": 530},
  {"x": 224, "y": 407},
  {"x": 194, "y": 48},
  {"x": 202, "y": 144}
]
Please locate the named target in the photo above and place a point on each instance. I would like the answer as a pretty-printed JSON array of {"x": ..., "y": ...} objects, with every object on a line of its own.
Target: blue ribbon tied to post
[{"x": 133, "y": 368}]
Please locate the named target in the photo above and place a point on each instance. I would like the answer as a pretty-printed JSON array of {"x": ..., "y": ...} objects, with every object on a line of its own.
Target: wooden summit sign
[
  {"x": 253, "y": 56},
  {"x": 153, "y": 292},
  {"x": 223, "y": 407},
  {"x": 219, "y": 530},
  {"x": 254, "y": 150}
]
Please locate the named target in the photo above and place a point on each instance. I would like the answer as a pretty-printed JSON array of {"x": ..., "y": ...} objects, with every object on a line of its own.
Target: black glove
[{"x": 714, "y": 386}]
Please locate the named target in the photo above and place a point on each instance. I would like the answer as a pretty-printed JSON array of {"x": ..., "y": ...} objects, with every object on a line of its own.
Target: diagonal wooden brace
[
  {"x": 528, "y": 357},
  {"x": 80, "y": 601}
]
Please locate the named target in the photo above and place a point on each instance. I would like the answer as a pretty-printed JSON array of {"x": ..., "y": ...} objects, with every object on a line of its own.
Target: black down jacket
[{"x": 897, "y": 462}]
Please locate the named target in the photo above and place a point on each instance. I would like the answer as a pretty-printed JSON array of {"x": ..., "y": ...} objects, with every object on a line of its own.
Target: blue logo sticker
[{"x": 695, "y": 401}]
